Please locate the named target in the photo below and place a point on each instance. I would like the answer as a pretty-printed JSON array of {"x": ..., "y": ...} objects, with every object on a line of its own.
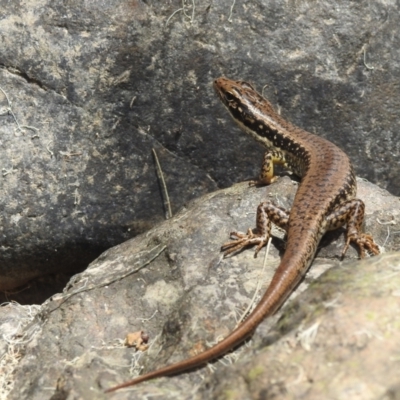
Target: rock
[
  {"x": 95, "y": 87},
  {"x": 335, "y": 341},
  {"x": 173, "y": 284}
]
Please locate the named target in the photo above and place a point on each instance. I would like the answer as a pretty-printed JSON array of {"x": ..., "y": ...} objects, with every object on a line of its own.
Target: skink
[{"x": 324, "y": 201}]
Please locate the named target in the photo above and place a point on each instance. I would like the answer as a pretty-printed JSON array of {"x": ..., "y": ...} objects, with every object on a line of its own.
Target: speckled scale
[
  {"x": 328, "y": 177},
  {"x": 324, "y": 200}
]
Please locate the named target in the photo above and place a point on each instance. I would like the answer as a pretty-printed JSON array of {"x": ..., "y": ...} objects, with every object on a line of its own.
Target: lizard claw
[
  {"x": 242, "y": 240},
  {"x": 364, "y": 242}
]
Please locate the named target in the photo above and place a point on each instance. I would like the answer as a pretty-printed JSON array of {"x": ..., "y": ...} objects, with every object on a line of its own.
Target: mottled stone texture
[
  {"x": 172, "y": 283},
  {"x": 101, "y": 83}
]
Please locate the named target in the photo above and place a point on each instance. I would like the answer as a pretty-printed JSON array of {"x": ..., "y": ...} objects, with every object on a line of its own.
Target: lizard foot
[
  {"x": 364, "y": 242},
  {"x": 242, "y": 240}
]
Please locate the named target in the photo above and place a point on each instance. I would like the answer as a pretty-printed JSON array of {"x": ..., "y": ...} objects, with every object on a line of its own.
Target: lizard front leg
[
  {"x": 351, "y": 213},
  {"x": 267, "y": 168},
  {"x": 266, "y": 213}
]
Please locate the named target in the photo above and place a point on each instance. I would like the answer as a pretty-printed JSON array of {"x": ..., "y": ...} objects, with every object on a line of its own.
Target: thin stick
[
  {"x": 230, "y": 13},
  {"x": 167, "y": 203},
  {"x": 365, "y": 63},
  {"x": 9, "y": 110},
  {"x": 85, "y": 288},
  {"x": 258, "y": 285}
]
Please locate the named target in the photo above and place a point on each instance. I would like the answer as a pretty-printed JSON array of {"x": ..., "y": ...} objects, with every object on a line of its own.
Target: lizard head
[{"x": 241, "y": 99}]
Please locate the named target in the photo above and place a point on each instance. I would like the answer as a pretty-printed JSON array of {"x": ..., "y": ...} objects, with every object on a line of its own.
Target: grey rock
[
  {"x": 173, "y": 284},
  {"x": 104, "y": 83}
]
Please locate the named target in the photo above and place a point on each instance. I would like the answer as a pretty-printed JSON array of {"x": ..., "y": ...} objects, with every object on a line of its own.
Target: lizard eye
[{"x": 229, "y": 97}]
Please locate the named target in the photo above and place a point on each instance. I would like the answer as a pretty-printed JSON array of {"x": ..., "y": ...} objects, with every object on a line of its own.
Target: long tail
[{"x": 278, "y": 291}]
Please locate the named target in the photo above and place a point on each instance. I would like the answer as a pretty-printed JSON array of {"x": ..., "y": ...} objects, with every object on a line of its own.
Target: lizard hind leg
[
  {"x": 266, "y": 213},
  {"x": 351, "y": 213}
]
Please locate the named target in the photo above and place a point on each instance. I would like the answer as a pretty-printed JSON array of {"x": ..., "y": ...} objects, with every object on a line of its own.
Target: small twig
[
  {"x": 32, "y": 128},
  {"x": 387, "y": 237},
  {"x": 148, "y": 319},
  {"x": 167, "y": 203},
  {"x": 169, "y": 18},
  {"x": 307, "y": 336},
  {"x": 69, "y": 154},
  {"x": 10, "y": 111},
  {"x": 262, "y": 90},
  {"x": 47, "y": 148},
  {"x": 192, "y": 19},
  {"x": 184, "y": 12},
  {"x": 116, "y": 123},
  {"x": 244, "y": 315},
  {"x": 183, "y": 9},
  {"x": 230, "y": 13},
  {"x": 86, "y": 288},
  {"x": 76, "y": 197},
  {"x": 392, "y": 222},
  {"x": 5, "y": 172},
  {"x": 365, "y": 63}
]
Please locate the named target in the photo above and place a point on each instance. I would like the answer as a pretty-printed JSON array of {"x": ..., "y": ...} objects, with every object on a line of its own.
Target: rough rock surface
[
  {"x": 337, "y": 339},
  {"x": 99, "y": 84}
]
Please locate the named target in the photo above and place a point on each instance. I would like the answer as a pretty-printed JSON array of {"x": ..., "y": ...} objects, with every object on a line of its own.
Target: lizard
[{"x": 325, "y": 200}]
